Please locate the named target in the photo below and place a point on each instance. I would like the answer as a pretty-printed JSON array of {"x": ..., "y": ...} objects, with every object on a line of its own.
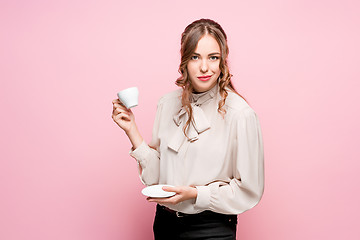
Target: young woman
[{"x": 207, "y": 142}]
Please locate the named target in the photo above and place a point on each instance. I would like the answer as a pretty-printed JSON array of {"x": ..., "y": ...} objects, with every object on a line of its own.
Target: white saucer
[{"x": 155, "y": 191}]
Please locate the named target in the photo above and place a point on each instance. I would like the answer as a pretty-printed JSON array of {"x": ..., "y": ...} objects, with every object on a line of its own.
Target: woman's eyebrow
[{"x": 214, "y": 53}]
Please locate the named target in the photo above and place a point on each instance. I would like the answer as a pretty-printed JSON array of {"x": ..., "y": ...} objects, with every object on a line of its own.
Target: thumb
[{"x": 169, "y": 189}]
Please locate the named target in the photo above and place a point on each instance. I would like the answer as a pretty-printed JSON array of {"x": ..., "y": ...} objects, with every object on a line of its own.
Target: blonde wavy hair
[{"x": 189, "y": 40}]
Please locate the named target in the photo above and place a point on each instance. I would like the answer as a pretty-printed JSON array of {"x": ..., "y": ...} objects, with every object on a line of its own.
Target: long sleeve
[
  {"x": 148, "y": 156},
  {"x": 246, "y": 187}
]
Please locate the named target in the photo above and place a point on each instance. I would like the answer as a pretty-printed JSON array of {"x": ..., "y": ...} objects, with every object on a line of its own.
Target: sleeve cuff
[
  {"x": 203, "y": 197},
  {"x": 140, "y": 152}
]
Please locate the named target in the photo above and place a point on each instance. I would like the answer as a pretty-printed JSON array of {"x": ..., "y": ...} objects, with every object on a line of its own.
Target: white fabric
[{"x": 224, "y": 159}]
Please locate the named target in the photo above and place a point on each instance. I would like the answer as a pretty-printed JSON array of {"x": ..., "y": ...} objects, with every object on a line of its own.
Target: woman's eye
[
  {"x": 194, "y": 57},
  {"x": 214, "y": 58}
]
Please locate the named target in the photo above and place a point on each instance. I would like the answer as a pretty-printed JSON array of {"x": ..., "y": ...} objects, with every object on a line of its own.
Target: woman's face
[{"x": 204, "y": 65}]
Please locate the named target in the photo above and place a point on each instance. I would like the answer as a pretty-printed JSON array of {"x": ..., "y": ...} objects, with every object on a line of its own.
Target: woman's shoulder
[
  {"x": 236, "y": 102},
  {"x": 171, "y": 97},
  {"x": 239, "y": 109}
]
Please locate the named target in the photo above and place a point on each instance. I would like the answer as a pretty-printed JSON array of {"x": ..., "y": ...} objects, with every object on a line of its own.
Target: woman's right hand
[
  {"x": 126, "y": 120},
  {"x": 123, "y": 117}
]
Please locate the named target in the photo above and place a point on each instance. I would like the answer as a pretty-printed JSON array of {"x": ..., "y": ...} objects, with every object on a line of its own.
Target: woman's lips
[{"x": 204, "y": 78}]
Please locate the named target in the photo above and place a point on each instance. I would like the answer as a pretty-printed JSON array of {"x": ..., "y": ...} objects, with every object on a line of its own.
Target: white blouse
[{"x": 224, "y": 158}]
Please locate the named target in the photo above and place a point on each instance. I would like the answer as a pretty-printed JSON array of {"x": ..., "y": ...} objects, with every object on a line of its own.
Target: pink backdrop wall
[{"x": 65, "y": 172}]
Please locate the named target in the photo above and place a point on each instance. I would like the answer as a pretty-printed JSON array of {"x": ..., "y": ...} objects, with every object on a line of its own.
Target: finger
[
  {"x": 117, "y": 101},
  {"x": 121, "y": 104},
  {"x": 171, "y": 200},
  {"x": 118, "y": 105},
  {"x": 120, "y": 110},
  {"x": 122, "y": 116},
  {"x": 159, "y": 200},
  {"x": 170, "y": 189}
]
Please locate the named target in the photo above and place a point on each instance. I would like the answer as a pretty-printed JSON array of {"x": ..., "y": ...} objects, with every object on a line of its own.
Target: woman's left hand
[{"x": 182, "y": 193}]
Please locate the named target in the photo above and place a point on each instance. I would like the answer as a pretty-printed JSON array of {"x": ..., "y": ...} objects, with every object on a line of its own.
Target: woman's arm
[
  {"x": 146, "y": 156},
  {"x": 246, "y": 187},
  {"x": 125, "y": 119}
]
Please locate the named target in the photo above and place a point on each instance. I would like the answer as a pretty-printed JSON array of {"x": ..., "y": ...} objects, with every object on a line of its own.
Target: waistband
[{"x": 201, "y": 214}]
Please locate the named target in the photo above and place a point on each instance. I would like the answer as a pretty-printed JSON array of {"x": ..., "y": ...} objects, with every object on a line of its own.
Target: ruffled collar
[
  {"x": 198, "y": 125},
  {"x": 202, "y": 97}
]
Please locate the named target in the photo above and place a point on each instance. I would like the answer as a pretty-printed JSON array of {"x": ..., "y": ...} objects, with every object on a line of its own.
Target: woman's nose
[{"x": 204, "y": 66}]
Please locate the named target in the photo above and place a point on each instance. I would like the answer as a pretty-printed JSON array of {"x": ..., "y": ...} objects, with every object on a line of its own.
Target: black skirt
[{"x": 171, "y": 225}]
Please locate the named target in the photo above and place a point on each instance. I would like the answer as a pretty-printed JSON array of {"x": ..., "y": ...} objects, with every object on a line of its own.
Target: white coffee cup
[{"x": 129, "y": 97}]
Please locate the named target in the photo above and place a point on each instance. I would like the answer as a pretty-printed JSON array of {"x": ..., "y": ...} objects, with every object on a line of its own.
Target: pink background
[{"x": 65, "y": 172}]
